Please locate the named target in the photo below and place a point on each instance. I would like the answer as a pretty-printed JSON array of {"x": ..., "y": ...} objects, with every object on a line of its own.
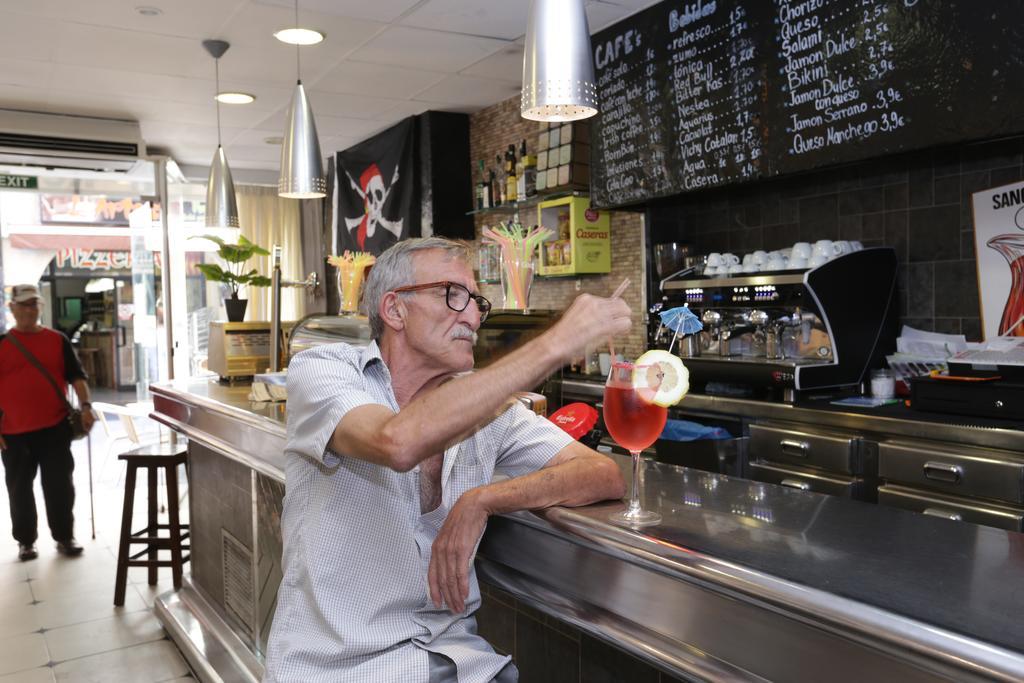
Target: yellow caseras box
[{"x": 582, "y": 238}]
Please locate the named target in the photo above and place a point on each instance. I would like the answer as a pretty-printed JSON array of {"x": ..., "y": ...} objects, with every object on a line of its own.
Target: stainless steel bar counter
[{"x": 742, "y": 581}]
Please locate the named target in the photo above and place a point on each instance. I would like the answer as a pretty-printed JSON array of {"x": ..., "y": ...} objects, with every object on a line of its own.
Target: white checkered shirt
[{"x": 354, "y": 603}]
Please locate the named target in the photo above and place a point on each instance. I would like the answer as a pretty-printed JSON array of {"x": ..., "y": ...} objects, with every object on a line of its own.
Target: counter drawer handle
[
  {"x": 940, "y": 471},
  {"x": 797, "y": 448},
  {"x": 796, "y": 484},
  {"x": 945, "y": 514}
]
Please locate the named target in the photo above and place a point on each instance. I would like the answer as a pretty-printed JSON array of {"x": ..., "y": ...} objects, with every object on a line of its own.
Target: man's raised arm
[{"x": 433, "y": 421}]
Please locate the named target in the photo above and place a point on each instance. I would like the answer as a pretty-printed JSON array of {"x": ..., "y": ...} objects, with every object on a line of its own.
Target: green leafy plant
[{"x": 235, "y": 256}]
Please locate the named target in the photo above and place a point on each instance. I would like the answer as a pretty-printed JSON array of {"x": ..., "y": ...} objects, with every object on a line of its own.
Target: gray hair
[{"x": 394, "y": 269}]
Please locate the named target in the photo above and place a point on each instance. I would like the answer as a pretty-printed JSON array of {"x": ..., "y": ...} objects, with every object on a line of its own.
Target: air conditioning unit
[{"x": 86, "y": 143}]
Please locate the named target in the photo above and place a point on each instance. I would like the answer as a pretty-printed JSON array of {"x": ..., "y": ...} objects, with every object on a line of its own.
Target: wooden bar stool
[{"x": 152, "y": 459}]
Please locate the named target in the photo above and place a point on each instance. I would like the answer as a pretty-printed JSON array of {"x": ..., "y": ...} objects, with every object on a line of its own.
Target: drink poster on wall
[{"x": 999, "y": 244}]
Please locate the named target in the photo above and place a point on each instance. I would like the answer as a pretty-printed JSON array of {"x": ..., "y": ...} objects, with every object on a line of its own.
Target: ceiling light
[
  {"x": 558, "y": 69},
  {"x": 148, "y": 11},
  {"x": 235, "y": 97},
  {"x": 221, "y": 203},
  {"x": 302, "y": 169},
  {"x": 299, "y": 36}
]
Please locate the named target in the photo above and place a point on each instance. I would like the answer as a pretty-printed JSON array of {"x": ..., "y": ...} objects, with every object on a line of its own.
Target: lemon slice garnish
[{"x": 661, "y": 378}]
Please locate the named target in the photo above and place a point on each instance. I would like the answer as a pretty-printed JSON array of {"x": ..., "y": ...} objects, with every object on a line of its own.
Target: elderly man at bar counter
[{"x": 389, "y": 464}]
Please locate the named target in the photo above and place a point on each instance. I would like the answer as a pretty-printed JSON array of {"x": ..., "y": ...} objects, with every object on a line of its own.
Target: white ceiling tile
[
  {"x": 126, "y": 50},
  {"x": 25, "y": 73},
  {"x": 260, "y": 22},
  {"x": 244, "y": 153},
  {"x": 254, "y": 136},
  {"x": 275, "y": 120},
  {"x": 506, "y": 65},
  {"x": 335, "y": 126},
  {"x": 415, "y": 107},
  {"x": 377, "y": 10},
  {"x": 423, "y": 49},
  {"x": 354, "y": 106},
  {"x": 167, "y": 90},
  {"x": 631, "y": 5},
  {"x": 468, "y": 91},
  {"x": 146, "y": 111},
  {"x": 178, "y": 18},
  {"x": 328, "y": 126},
  {"x": 47, "y": 100},
  {"x": 38, "y": 99},
  {"x": 331, "y": 146},
  {"x": 166, "y": 133},
  {"x": 377, "y": 80},
  {"x": 601, "y": 15},
  {"x": 272, "y": 63},
  {"x": 506, "y": 20},
  {"x": 25, "y": 37}
]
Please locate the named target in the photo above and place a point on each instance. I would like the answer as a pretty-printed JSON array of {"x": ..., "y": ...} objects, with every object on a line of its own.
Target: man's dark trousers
[{"x": 49, "y": 451}]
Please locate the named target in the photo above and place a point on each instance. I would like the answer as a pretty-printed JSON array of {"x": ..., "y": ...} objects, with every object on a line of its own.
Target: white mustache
[{"x": 464, "y": 333}]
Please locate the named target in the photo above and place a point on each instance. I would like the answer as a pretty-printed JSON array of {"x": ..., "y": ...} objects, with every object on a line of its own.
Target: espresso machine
[{"x": 787, "y": 331}]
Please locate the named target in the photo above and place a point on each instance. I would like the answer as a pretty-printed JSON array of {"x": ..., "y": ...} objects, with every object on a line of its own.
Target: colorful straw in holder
[
  {"x": 352, "y": 266},
  {"x": 518, "y": 251}
]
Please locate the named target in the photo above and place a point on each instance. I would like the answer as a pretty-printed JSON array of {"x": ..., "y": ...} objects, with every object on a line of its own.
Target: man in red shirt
[{"x": 34, "y": 431}]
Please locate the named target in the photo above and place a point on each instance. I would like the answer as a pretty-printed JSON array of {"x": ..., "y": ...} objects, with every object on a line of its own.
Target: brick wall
[{"x": 491, "y": 130}]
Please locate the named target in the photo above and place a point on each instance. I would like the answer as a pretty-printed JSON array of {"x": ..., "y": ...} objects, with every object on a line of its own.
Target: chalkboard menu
[{"x": 705, "y": 93}]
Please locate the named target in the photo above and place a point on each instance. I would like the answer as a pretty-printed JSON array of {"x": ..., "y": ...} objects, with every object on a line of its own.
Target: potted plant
[{"x": 235, "y": 256}]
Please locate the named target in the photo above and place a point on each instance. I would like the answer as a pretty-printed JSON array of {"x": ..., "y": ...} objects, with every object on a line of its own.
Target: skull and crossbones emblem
[{"x": 374, "y": 194}]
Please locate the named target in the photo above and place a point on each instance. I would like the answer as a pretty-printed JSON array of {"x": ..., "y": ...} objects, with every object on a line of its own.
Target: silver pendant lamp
[
  {"x": 302, "y": 169},
  {"x": 558, "y": 68},
  {"x": 221, "y": 204}
]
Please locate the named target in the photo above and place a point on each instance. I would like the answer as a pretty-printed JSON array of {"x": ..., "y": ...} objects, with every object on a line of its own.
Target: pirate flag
[{"x": 376, "y": 191}]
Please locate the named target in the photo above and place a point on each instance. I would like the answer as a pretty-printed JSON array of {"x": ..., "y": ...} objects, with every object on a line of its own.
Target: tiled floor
[{"x": 57, "y": 616}]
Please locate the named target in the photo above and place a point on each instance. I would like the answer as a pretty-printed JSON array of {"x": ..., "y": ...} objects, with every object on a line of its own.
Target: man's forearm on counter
[{"x": 583, "y": 480}]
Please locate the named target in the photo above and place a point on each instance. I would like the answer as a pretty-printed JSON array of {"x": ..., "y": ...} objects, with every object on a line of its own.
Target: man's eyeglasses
[{"x": 456, "y": 296}]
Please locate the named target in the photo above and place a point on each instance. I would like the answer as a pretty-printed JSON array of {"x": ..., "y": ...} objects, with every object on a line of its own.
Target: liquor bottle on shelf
[
  {"x": 521, "y": 176},
  {"x": 481, "y": 187},
  {"x": 510, "y": 174},
  {"x": 500, "y": 186},
  {"x": 491, "y": 197},
  {"x": 528, "y": 175}
]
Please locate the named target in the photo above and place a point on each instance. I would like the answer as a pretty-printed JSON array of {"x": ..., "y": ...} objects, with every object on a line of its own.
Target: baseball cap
[{"x": 24, "y": 293}]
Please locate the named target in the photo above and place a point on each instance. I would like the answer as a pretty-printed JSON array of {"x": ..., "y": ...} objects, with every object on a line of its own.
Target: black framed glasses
[{"x": 456, "y": 296}]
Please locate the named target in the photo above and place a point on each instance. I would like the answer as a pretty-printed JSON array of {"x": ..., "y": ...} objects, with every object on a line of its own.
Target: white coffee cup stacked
[{"x": 801, "y": 255}]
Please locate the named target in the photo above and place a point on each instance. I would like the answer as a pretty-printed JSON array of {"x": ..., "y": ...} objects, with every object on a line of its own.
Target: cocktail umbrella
[{"x": 680, "y": 320}]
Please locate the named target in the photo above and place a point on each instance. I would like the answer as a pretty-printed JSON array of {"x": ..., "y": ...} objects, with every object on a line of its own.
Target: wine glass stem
[{"x": 634, "y": 497}]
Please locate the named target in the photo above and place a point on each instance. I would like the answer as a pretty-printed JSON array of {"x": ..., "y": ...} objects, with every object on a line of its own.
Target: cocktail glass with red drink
[{"x": 635, "y": 422}]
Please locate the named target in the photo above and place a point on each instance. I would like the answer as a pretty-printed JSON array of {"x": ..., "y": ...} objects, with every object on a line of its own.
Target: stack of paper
[
  {"x": 270, "y": 386},
  {"x": 929, "y": 345}
]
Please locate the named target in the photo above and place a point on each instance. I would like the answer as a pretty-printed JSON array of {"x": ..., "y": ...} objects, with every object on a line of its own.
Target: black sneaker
[
  {"x": 69, "y": 548},
  {"x": 27, "y": 551}
]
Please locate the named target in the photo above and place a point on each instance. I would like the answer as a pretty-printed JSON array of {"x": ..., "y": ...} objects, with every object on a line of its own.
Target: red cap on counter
[{"x": 575, "y": 419}]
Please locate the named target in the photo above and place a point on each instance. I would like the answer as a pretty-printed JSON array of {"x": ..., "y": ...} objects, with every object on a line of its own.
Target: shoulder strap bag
[{"x": 78, "y": 430}]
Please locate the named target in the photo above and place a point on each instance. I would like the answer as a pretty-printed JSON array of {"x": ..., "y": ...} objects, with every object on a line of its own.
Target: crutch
[{"x": 92, "y": 507}]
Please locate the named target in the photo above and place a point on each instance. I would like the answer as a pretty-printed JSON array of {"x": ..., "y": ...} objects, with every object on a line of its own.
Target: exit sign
[{"x": 18, "y": 182}]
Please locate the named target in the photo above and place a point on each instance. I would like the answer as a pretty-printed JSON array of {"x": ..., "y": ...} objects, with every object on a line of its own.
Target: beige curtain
[{"x": 267, "y": 219}]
